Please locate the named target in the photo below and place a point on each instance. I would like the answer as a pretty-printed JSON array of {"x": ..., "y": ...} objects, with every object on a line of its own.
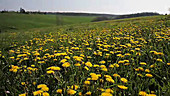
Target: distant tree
[
  {"x": 4, "y": 11},
  {"x": 22, "y": 10}
]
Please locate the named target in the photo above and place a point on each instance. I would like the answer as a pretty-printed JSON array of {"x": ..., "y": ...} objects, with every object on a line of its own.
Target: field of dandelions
[{"x": 128, "y": 58}]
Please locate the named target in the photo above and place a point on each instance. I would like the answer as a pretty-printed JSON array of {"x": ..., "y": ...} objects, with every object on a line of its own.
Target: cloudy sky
[{"x": 97, "y": 6}]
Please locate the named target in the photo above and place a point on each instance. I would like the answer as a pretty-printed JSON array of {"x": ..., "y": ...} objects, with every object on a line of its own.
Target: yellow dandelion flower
[
  {"x": 24, "y": 94},
  {"x": 45, "y": 94},
  {"x": 116, "y": 65},
  {"x": 104, "y": 69},
  {"x": 87, "y": 82},
  {"x": 102, "y": 66},
  {"x": 124, "y": 80},
  {"x": 75, "y": 87},
  {"x": 26, "y": 58},
  {"x": 147, "y": 70},
  {"x": 168, "y": 63},
  {"x": 142, "y": 93},
  {"x": 94, "y": 76},
  {"x": 150, "y": 95},
  {"x": 12, "y": 57},
  {"x": 102, "y": 62},
  {"x": 59, "y": 91},
  {"x": 41, "y": 85},
  {"x": 140, "y": 68},
  {"x": 101, "y": 80},
  {"x": 140, "y": 75},
  {"x": 54, "y": 68},
  {"x": 137, "y": 49},
  {"x": 22, "y": 83},
  {"x": 88, "y": 64},
  {"x": 89, "y": 57},
  {"x": 63, "y": 60},
  {"x": 106, "y": 94},
  {"x": 101, "y": 89},
  {"x": 122, "y": 87},
  {"x": 109, "y": 90},
  {"x": 110, "y": 80},
  {"x": 86, "y": 68},
  {"x": 95, "y": 65},
  {"x": 35, "y": 93},
  {"x": 45, "y": 88},
  {"x": 111, "y": 66},
  {"x": 50, "y": 72},
  {"x": 149, "y": 75},
  {"x": 77, "y": 64},
  {"x": 160, "y": 60},
  {"x": 116, "y": 75},
  {"x": 66, "y": 64},
  {"x": 88, "y": 93},
  {"x": 34, "y": 83},
  {"x": 142, "y": 63},
  {"x": 119, "y": 55},
  {"x": 71, "y": 92},
  {"x": 67, "y": 57},
  {"x": 32, "y": 65},
  {"x": 127, "y": 64},
  {"x": 127, "y": 61},
  {"x": 80, "y": 94}
]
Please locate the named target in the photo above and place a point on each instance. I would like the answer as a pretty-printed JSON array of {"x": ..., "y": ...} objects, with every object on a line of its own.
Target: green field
[
  {"x": 15, "y": 22},
  {"x": 126, "y": 57}
]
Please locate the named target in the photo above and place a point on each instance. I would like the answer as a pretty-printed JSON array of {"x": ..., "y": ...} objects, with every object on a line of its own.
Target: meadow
[
  {"x": 15, "y": 21},
  {"x": 126, "y": 57}
]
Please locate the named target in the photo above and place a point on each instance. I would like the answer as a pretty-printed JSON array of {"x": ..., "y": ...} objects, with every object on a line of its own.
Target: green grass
[
  {"x": 70, "y": 24},
  {"x": 145, "y": 39},
  {"x": 13, "y": 22}
]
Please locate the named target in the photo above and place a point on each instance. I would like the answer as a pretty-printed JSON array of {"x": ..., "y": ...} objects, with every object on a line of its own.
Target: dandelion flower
[
  {"x": 122, "y": 87},
  {"x": 50, "y": 72},
  {"x": 106, "y": 94},
  {"x": 75, "y": 87},
  {"x": 88, "y": 64},
  {"x": 168, "y": 63},
  {"x": 102, "y": 62},
  {"x": 24, "y": 94},
  {"x": 88, "y": 93},
  {"x": 59, "y": 91},
  {"x": 151, "y": 95},
  {"x": 124, "y": 80},
  {"x": 87, "y": 82},
  {"x": 143, "y": 93},
  {"x": 149, "y": 75},
  {"x": 109, "y": 90},
  {"x": 77, "y": 64},
  {"x": 71, "y": 92},
  {"x": 35, "y": 93},
  {"x": 45, "y": 94},
  {"x": 66, "y": 64},
  {"x": 142, "y": 63},
  {"x": 116, "y": 75}
]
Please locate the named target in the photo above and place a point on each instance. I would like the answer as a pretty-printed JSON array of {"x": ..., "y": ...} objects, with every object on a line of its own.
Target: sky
[{"x": 89, "y": 6}]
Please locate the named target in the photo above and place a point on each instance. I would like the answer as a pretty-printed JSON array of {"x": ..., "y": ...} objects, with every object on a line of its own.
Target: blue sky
[{"x": 96, "y": 6}]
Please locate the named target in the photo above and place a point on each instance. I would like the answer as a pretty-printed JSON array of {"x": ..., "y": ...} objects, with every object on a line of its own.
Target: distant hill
[
  {"x": 98, "y": 17},
  {"x": 60, "y": 13},
  {"x": 137, "y": 15},
  {"x": 102, "y": 18},
  {"x": 81, "y": 14}
]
